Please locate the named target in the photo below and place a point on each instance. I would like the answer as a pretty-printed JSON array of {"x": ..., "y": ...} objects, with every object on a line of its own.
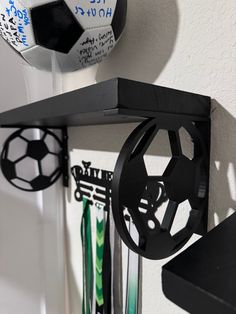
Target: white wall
[
  {"x": 31, "y": 224},
  {"x": 188, "y": 45}
]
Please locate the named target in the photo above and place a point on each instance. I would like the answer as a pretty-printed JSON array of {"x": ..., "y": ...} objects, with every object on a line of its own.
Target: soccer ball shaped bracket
[
  {"x": 183, "y": 180},
  {"x": 33, "y": 159}
]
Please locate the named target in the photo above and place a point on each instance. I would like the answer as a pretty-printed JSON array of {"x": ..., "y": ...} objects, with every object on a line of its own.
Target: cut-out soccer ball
[
  {"x": 166, "y": 204},
  {"x": 81, "y": 32},
  {"x": 32, "y": 163}
]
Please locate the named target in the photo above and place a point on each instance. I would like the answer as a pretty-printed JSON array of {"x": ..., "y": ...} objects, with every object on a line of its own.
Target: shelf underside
[
  {"x": 114, "y": 101},
  {"x": 202, "y": 279}
]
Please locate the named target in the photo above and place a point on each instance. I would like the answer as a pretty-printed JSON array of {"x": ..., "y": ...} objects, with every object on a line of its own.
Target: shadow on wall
[
  {"x": 75, "y": 299},
  {"x": 223, "y": 165},
  {"x": 19, "y": 243},
  {"x": 22, "y": 83},
  {"x": 145, "y": 47},
  {"x": 13, "y": 90},
  {"x": 111, "y": 138}
]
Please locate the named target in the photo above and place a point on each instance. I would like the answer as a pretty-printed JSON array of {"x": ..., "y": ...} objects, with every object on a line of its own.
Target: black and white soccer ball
[
  {"x": 31, "y": 159},
  {"x": 81, "y": 32}
]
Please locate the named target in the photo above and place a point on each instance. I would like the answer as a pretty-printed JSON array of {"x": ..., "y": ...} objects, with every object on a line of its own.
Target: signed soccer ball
[{"x": 80, "y": 32}]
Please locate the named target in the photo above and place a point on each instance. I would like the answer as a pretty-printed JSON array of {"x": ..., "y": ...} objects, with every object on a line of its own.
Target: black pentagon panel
[
  {"x": 180, "y": 190},
  {"x": 37, "y": 149},
  {"x": 40, "y": 183},
  {"x": 55, "y": 27},
  {"x": 119, "y": 19},
  {"x": 8, "y": 169}
]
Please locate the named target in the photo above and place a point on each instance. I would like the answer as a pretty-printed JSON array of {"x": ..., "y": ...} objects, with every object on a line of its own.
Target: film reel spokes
[{"x": 183, "y": 180}]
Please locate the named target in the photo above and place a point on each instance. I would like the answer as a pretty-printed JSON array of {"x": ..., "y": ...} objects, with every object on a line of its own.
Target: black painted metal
[
  {"x": 93, "y": 184},
  {"x": 96, "y": 186},
  {"x": 202, "y": 278},
  {"x": 183, "y": 179},
  {"x": 65, "y": 157},
  {"x": 36, "y": 151}
]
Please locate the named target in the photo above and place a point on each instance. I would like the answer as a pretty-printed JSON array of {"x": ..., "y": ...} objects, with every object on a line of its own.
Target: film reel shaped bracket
[{"x": 183, "y": 179}]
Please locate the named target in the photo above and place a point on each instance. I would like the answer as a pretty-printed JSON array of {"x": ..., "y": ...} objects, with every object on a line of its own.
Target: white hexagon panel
[
  {"x": 93, "y": 13},
  {"x": 15, "y": 24},
  {"x": 93, "y": 46},
  {"x": 79, "y": 32}
]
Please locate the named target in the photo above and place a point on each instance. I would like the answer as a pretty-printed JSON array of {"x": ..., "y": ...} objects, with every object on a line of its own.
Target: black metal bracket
[
  {"x": 46, "y": 156},
  {"x": 65, "y": 157},
  {"x": 183, "y": 179},
  {"x": 135, "y": 195}
]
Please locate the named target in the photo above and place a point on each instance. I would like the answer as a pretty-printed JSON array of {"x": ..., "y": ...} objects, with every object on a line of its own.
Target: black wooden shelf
[
  {"x": 202, "y": 279},
  {"x": 114, "y": 101}
]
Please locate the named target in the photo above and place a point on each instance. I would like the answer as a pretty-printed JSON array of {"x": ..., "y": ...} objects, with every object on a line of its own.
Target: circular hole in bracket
[{"x": 151, "y": 224}]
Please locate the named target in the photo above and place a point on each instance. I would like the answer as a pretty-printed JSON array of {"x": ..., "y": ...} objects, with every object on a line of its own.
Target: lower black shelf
[{"x": 202, "y": 279}]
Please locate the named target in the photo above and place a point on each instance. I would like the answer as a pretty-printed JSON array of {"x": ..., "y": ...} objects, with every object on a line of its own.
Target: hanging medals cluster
[{"x": 93, "y": 188}]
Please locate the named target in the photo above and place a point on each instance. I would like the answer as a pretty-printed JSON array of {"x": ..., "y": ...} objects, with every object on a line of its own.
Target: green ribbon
[
  {"x": 99, "y": 257},
  {"x": 133, "y": 276},
  {"x": 88, "y": 276}
]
